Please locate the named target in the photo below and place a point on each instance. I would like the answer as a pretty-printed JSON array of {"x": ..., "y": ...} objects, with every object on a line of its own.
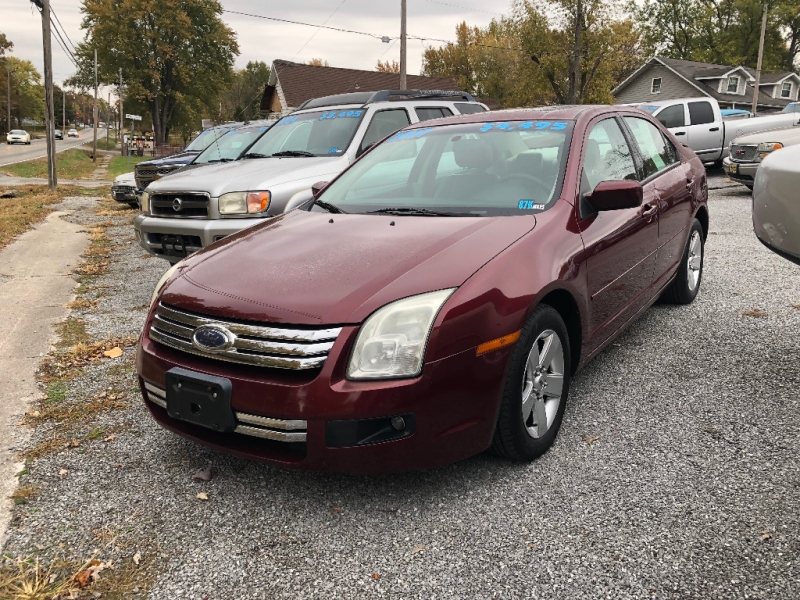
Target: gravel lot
[{"x": 675, "y": 475}]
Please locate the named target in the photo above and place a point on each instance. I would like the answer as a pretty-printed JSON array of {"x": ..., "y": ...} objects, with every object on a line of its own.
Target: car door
[
  {"x": 620, "y": 244},
  {"x": 704, "y": 135},
  {"x": 671, "y": 183}
]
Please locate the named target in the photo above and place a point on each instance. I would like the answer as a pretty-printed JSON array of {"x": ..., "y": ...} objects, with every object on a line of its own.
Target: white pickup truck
[{"x": 698, "y": 123}]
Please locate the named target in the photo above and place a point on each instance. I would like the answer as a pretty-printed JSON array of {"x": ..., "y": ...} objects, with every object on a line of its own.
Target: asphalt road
[
  {"x": 675, "y": 476},
  {"x": 14, "y": 153}
]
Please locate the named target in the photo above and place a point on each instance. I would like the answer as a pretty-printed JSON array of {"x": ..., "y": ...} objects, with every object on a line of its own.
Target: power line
[
  {"x": 63, "y": 29},
  {"x": 490, "y": 12},
  {"x": 313, "y": 35},
  {"x": 63, "y": 44},
  {"x": 235, "y": 12}
]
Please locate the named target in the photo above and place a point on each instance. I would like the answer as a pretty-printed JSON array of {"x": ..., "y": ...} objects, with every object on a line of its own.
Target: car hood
[
  {"x": 125, "y": 179},
  {"x": 786, "y": 136},
  {"x": 250, "y": 174},
  {"x": 317, "y": 268},
  {"x": 175, "y": 159}
]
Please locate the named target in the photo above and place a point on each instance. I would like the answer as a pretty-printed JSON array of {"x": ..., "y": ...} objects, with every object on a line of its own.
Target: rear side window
[
  {"x": 384, "y": 123},
  {"x": 428, "y": 113},
  {"x": 672, "y": 116},
  {"x": 468, "y": 109},
  {"x": 701, "y": 113},
  {"x": 654, "y": 149}
]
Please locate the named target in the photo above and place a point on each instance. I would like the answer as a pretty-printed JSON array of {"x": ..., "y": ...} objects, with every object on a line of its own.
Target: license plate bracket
[
  {"x": 733, "y": 168},
  {"x": 201, "y": 399}
]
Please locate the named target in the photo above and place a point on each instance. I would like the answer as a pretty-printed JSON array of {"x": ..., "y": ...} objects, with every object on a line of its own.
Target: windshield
[
  {"x": 480, "y": 169},
  {"x": 17, "y": 132},
  {"x": 231, "y": 145},
  {"x": 322, "y": 133},
  {"x": 203, "y": 141},
  {"x": 790, "y": 108}
]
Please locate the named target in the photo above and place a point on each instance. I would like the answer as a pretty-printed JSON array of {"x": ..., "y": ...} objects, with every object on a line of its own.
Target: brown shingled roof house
[{"x": 291, "y": 84}]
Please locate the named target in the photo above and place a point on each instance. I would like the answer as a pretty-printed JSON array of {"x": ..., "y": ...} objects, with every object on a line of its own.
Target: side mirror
[
  {"x": 616, "y": 195},
  {"x": 317, "y": 188}
]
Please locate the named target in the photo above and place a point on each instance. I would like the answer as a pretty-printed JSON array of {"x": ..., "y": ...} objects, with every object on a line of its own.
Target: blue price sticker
[
  {"x": 530, "y": 205},
  {"x": 286, "y": 121},
  {"x": 414, "y": 134},
  {"x": 345, "y": 114},
  {"x": 526, "y": 126}
]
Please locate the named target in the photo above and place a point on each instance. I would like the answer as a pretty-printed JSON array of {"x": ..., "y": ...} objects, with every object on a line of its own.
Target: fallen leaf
[
  {"x": 418, "y": 549},
  {"x": 765, "y": 535},
  {"x": 91, "y": 573},
  {"x": 337, "y": 508},
  {"x": 63, "y": 472},
  {"x": 202, "y": 496},
  {"x": 530, "y": 544},
  {"x": 84, "y": 578},
  {"x": 117, "y": 464},
  {"x": 115, "y": 352},
  {"x": 137, "y": 558},
  {"x": 590, "y": 440},
  {"x": 110, "y": 438},
  {"x": 755, "y": 312},
  {"x": 375, "y": 576},
  {"x": 73, "y": 444},
  {"x": 35, "y": 413},
  {"x": 203, "y": 474}
]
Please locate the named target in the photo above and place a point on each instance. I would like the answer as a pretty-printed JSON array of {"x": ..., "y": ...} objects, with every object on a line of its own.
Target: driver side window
[
  {"x": 383, "y": 123},
  {"x": 607, "y": 156}
]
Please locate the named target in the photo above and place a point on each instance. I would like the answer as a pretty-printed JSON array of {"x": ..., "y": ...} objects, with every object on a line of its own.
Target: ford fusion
[{"x": 435, "y": 299}]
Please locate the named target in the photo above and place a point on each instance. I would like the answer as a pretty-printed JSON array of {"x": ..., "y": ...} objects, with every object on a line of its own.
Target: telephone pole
[
  {"x": 403, "y": 46},
  {"x": 754, "y": 108},
  {"x": 121, "y": 118},
  {"x": 108, "y": 118},
  {"x": 63, "y": 110},
  {"x": 94, "y": 111},
  {"x": 8, "y": 68},
  {"x": 50, "y": 130}
]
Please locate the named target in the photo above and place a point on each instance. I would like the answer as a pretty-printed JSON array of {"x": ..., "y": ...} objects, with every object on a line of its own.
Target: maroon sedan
[{"x": 435, "y": 299}]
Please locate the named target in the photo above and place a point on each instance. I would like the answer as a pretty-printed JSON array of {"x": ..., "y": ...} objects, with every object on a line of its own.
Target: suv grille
[
  {"x": 740, "y": 153},
  {"x": 262, "y": 346},
  {"x": 179, "y": 205},
  {"x": 146, "y": 175}
]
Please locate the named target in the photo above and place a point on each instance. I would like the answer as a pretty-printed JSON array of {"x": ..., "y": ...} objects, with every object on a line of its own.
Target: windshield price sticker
[
  {"x": 530, "y": 205},
  {"x": 527, "y": 125},
  {"x": 414, "y": 134},
  {"x": 345, "y": 114}
]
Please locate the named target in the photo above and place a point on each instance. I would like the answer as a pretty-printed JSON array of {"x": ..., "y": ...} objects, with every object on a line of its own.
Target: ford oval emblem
[{"x": 212, "y": 338}]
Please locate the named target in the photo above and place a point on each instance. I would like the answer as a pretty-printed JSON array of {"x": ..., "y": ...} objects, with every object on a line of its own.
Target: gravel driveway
[{"x": 676, "y": 473}]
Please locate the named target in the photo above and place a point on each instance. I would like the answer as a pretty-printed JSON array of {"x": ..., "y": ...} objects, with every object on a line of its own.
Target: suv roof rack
[{"x": 385, "y": 96}]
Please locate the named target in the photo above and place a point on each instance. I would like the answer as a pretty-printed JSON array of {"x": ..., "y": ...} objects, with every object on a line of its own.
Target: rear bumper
[
  {"x": 177, "y": 238},
  {"x": 452, "y": 409},
  {"x": 744, "y": 173}
]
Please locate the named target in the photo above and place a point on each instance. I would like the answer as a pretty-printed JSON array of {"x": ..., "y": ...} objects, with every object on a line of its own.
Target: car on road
[
  {"x": 747, "y": 152},
  {"x": 123, "y": 189},
  {"x": 776, "y": 213},
  {"x": 698, "y": 123},
  {"x": 18, "y": 136},
  {"x": 59, "y": 134},
  {"x": 191, "y": 210},
  {"x": 434, "y": 299},
  {"x": 72, "y": 133}
]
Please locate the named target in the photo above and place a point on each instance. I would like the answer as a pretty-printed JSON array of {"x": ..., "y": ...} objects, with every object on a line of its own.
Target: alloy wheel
[
  {"x": 695, "y": 260},
  {"x": 543, "y": 383}
]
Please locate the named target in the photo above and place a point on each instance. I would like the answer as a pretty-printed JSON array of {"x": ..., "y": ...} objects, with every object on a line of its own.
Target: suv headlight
[
  {"x": 392, "y": 342},
  {"x": 162, "y": 282},
  {"x": 242, "y": 203},
  {"x": 765, "y": 148},
  {"x": 145, "y": 202}
]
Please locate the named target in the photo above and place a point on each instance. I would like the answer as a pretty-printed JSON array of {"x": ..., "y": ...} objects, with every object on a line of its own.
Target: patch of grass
[
  {"x": 76, "y": 412},
  {"x": 56, "y": 392},
  {"x": 72, "y": 332},
  {"x": 124, "y": 164},
  {"x": 756, "y": 313},
  {"x": 23, "y": 494},
  {"x": 82, "y": 303},
  {"x": 19, "y": 214},
  {"x": 70, "y": 164}
]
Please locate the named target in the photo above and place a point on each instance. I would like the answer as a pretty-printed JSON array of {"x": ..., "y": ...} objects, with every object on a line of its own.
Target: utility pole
[
  {"x": 44, "y": 5},
  {"x": 575, "y": 63},
  {"x": 403, "y": 46},
  {"x": 63, "y": 110},
  {"x": 121, "y": 117},
  {"x": 94, "y": 111},
  {"x": 108, "y": 118},
  {"x": 754, "y": 108},
  {"x": 8, "y": 68}
]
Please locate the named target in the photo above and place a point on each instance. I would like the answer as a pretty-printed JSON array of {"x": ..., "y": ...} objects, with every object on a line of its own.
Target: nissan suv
[{"x": 188, "y": 211}]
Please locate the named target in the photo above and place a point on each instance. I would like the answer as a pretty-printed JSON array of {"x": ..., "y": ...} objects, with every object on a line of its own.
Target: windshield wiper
[
  {"x": 329, "y": 207},
  {"x": 216, "y": 160},
  {"x": 255, "y": 155},
  {"x": 413, "y": 212},
  {"x": 293, "y": 153}
]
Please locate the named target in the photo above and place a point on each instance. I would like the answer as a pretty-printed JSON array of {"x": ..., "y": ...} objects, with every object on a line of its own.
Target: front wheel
[
  {"x": 536, "y": 388},
  {"x": 686, "y": 285}
]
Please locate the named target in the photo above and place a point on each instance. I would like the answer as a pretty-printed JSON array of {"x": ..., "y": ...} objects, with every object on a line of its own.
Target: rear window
[
  {"x": 468, "y": 109},
  {"x": 428, "y": 113},
  {"x": 701, "y": 113}
]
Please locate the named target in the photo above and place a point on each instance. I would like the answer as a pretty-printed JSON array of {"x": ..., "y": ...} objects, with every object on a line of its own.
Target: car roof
[{"x": 559, "y": 112}]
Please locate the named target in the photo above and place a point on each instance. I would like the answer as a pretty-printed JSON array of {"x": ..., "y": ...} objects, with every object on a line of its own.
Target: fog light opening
[{"x": 398, "y": 423}]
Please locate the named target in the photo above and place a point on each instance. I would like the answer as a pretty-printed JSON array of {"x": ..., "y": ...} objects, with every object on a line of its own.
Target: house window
[
  {"x": 786, "y": 89},
  {"x": 733, "y": 85},
  {"x": 656, "y": 88}
]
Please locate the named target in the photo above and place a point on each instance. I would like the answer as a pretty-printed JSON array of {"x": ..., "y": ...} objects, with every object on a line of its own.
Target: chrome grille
[
  {"x": 146, "y": 175},
  {"x": 262, "y": 346},
  {"x": 742, "y": 153},
  {"x": 268, "y": 428},
  {"x": 184, "y": 205}
]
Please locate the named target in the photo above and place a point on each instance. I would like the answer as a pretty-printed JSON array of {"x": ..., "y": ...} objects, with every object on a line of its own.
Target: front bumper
[
  {"x": 177, "y": 238},
  {"x": 452, "y": 407},
  {"x": 740, "y": 172},
  {"x": 126, "y": 194}
]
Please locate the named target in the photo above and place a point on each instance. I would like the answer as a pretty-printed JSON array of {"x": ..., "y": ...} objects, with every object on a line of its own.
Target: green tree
[
  {"x": 27, "y": 91},
  {"x": 171, "y": 52},
  {"x": 242, "y": 99}
]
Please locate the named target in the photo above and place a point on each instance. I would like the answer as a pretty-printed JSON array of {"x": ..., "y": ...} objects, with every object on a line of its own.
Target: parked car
[
  {"x": 230, "y": 146},
  {"x": 59, "y": 135},
  {"x": 315, "y": 142},
  {"x": 435, "y": 298},
  {"x": 72, "y": 133},
  {"x": 18, "y": 136},
  {"x": 150, "y": 170},
  {"x": 698, "y": 123},
  {"x": 747, "y": 152},
  {"x": 776, "y": 214},
  {"x": 123, "y": 189}
]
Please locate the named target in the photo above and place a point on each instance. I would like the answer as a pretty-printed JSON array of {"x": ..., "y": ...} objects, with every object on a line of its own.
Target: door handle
[
  {"x": 648, "y": 210},
  {"x": 714, "y": 129},
  {"x": 679, "y": 133}
]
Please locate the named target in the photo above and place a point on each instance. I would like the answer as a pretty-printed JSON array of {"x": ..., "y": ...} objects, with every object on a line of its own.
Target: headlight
[
  {"x": 145, "y": 202},
  {"x": 765, "y": 148},
  {"x": 242, "y": 203},
  {"x": 391, "y": 343},
  {"x": 162, "y": 282}
]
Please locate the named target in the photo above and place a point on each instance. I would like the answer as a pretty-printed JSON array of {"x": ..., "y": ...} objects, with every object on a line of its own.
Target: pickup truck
[{"x": 698, "y": 123}]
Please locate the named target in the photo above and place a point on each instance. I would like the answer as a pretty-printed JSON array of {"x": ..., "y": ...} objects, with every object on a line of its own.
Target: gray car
[
  {"x": 189, "y": 210},
  {"x": 776, "y": 212},
  {"x": 748, "y": 151}
]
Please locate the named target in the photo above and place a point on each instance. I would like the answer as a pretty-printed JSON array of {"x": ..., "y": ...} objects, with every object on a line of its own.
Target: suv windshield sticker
[
  {"x": 409, "y": 135},
  {"x": 650, "y": 108},
  {"x": 513, "y": 126},
  {"x": 530, "y": 205},
  {"x": 260, "y": 129},
  {"x": 286, "y": 121},
  {"x": 333, "y": 151},
  {"x": 345, "y": 114}
]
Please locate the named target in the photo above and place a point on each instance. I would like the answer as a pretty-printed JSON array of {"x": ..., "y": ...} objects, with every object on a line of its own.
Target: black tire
[
  {"x": 680, "y": 291},
  {"x": 511, "y": 438},
  {"x": 717, "y": 164},
  {"x": 133, "y": 204}
]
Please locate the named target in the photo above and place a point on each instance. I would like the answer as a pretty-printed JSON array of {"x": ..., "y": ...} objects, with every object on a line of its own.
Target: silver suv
[{"x": 187, "y": 211}]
